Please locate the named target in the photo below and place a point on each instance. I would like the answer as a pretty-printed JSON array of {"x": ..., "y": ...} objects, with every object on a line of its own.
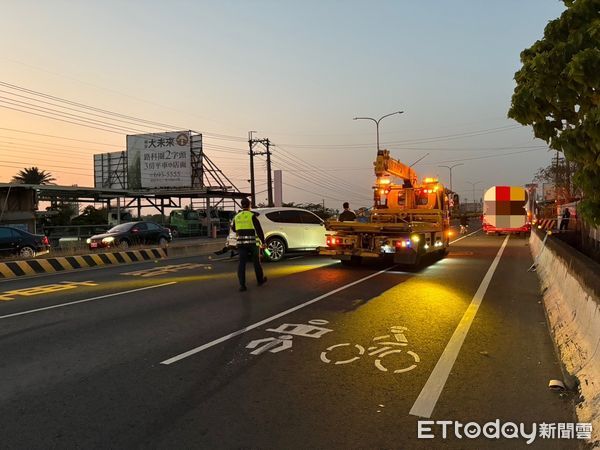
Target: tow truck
[{"x": 408, "y": 220}]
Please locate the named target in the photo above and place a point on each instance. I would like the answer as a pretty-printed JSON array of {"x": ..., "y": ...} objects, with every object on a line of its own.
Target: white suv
[{"x": 288, "y": 229}]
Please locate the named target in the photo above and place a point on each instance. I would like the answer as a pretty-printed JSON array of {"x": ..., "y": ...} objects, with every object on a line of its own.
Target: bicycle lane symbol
[{"x": 389, "y": 344}]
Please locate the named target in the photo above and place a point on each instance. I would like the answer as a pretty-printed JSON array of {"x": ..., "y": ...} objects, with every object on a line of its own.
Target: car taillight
[{"x": 45, "y": 240}]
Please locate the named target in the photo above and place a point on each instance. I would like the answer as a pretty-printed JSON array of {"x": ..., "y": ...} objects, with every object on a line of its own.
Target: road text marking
[
  {"x": 262, "y": 322},
  {"x": 163, "y": 270},
  {"x": 430, "y": 393},
  {"x": 31, "y": 311},
  {"x": 45, "y": 289}
]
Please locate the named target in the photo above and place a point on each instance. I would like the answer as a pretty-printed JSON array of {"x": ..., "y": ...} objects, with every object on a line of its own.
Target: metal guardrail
[{"x": 73, "y": 234}]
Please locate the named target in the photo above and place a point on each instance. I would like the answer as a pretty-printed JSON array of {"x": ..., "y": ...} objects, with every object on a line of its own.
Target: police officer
[{"x": 247, "y": 228}]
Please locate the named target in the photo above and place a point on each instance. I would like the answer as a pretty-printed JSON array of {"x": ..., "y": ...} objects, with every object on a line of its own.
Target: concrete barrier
[
  {"x": 571, "y": 290},
  {"x": 13, "y": 269}
]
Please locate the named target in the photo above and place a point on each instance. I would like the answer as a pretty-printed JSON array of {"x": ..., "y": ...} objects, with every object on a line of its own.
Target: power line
[
  {"x": 312, "y": 192},
  {"x": 59, "y": 137},
  {"x": 29, "y": 163},
  {"x": 138, "y": 120},
  {"x": 327, "y": 188},
  {"x": 84, "y": 106},
  {"x": 83, "y": 121},
  {"x": 466, "y": 149},
  {"x": 312, "y": 179},
  {"x": 488, "y": 156},
  {"x": 413, "y": 141},
  {"x": 54, "y": 170},
  {"x": 60, "y": 120},
  {"x": 320, "y": 175}
]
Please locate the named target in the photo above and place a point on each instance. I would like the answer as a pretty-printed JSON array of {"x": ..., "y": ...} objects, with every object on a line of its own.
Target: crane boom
[{"x": 386, "y": 165}]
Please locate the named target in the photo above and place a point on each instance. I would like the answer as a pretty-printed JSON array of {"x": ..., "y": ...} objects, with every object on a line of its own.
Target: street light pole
[
  {"x": 450, "y": 169},
  {"x": 473, "y": 187},
  {"x": 377, "y": 123}
]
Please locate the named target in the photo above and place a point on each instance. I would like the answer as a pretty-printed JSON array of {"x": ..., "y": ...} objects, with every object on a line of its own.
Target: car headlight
[
  {"x": 108, "y": 240},
  {"x": 88, "y": 241}
]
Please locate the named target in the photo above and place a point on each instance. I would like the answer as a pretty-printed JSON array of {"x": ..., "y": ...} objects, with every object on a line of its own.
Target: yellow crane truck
[{"x": 408, "y": 219}]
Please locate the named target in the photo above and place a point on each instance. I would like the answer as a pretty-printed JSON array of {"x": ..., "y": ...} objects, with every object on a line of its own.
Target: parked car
[
  {"x": 287, "y": 230},
  {"x": 14, "y": 241},
  {"x": 131, "y": 233}
]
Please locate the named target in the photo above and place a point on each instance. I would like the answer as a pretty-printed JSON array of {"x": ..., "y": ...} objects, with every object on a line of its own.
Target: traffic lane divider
[{"x": 14, "y": 269}]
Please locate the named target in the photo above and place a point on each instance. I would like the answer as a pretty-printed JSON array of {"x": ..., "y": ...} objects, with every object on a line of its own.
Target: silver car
[{"x": 287, "y": 230}]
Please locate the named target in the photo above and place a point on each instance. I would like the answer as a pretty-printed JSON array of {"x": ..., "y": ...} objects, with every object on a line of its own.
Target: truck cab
[{"x": 185, "y": 222}]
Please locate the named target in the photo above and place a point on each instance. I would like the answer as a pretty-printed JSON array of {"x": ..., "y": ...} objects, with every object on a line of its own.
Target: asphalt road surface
[{"x": 168, "y": 354}]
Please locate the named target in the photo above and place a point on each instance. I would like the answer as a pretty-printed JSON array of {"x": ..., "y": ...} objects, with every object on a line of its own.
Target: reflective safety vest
[{"x": 246, "y": 234}]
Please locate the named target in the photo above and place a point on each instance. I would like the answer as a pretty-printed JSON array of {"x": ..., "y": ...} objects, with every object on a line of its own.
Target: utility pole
[
  {"x": 269, "y": 180},
  {"x": 267, "y": 144},
  {"x": 252, "y": 185},
  {"x": 473, "y": 187}
]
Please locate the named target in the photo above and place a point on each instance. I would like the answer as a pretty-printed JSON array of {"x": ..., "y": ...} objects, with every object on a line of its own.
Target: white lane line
[
  {"x": 262, "y": 322},
  {"x": 430, "y": 393},
  {"x": 31, "y": 311},
  {"x": 465, "y": 236}
]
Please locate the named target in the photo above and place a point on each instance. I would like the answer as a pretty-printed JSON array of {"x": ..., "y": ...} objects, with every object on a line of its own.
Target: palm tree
[{"x": 33, "y": 175}]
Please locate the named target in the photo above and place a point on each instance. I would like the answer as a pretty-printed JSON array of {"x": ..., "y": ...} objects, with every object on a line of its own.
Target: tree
[
  {"x": 33, "y": 175},
  {"x": 91, "y": 216},
  {"x": 558, "y": 94},
  {"x": 63, "y": 213},
  {"x": 560, "y": 175}
]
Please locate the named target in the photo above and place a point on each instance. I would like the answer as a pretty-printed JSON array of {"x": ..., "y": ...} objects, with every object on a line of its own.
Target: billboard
[
  {"x": 110, "y": 170},
  {"x": 159, "y": 160}
]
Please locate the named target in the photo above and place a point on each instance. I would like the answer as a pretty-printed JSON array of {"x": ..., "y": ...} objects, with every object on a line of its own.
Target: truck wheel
[{"x": 277, "y": 248}]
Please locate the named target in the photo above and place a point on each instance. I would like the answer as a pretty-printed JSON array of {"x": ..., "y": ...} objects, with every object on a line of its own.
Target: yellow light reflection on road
[{"x": 424, "y": 302}]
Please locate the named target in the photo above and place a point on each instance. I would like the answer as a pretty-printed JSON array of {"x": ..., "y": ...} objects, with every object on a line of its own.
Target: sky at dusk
[{"x": 294, "y": 72}]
